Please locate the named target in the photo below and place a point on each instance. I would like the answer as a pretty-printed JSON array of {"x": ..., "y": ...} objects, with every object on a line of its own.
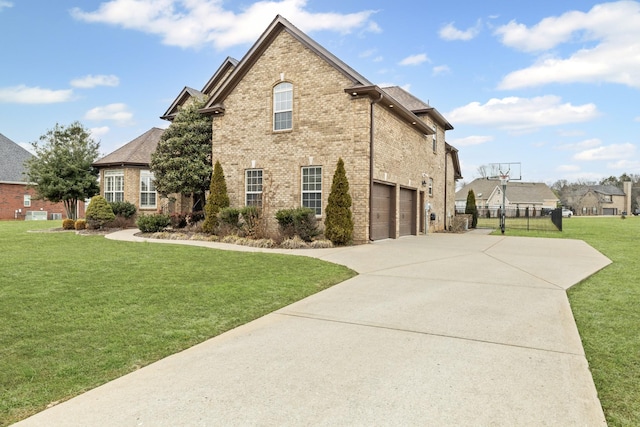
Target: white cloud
[
  {"x": 582, "y": 145},
  {"x": 415, "y": 59},
  {"x": 612, "y": 28},
  {"x": 568, "y": 168},
  {"x": 523, "y": 114},
  {"x": 607, "y": 152},
  {"x": 98, "y": 132},
  {"x": 115, "y": 112},
  {"x": 5, "y": 4},
  {"x": 27, "y": 146},
  {"x": 22, "y": 94},
  {"x": 628, "y": 166},
  {"x": 90, "y": 81},
  {"x": 378, "y": 58},
  {"x": 195, "y": 23},
  {"x": 441, "y": 69},
  {"x": 470, "y": 140},
  {"x": 450, "y": 32}
]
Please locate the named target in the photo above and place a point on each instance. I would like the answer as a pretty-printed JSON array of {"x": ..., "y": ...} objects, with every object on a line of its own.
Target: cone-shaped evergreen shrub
[
  {"x": 218, "y": 199},
  {"x": 338, "y": 224},
  {"x": 99, "y": 212},
  {"x": 471, "y": 208}
]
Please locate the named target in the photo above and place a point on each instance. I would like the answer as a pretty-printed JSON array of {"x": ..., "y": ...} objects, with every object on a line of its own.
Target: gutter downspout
[
  {"x": 371, "y": 131},
  {"x": 446, "y": 217}
]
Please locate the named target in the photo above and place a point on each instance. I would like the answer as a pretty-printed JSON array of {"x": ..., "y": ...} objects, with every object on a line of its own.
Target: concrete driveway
[{"x": 444, "y": 329}]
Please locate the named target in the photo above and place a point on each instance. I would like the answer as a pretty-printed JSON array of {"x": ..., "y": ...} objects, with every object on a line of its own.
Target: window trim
[
  {"x": 315, "y": 191},
  {"x": 282, "y": 88},
  {"x": 26, "y": 200},
  {"x": 111, "y": 175},
  {"x": 147, "y": 175},
  {"x": 248, "y": 192}
]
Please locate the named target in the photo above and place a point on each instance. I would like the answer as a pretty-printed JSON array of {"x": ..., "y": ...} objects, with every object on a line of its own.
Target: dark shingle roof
[
  {"x": 135, "y": 153},
  {"x": 12, "y": 158}
]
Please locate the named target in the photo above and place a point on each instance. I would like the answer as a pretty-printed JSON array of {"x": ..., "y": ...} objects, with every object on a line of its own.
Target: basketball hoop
[{"x": 504, "y": 172}]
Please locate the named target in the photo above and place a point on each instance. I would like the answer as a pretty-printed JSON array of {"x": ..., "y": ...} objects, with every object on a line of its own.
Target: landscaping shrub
[
  {"x": 195, "y": 217},
  {"x": 178, "y": 220},
  {"x": 67, "y": 224},
  {"x": 472, "y": 209},
  {"x": 153, "y": 223},
  {"x": 80, "y": 224},
  {"x": 98, "y": 213},
  {"x": 218, "y": 199},
  {"x": 251, "y": 220},
  {"x": 338, "y": 225},
  {"x": 299, "y": 222},
  {"x": 294, "y": 243},
  {"x": 123, "y": 209},
  {"x": 228, "y": 221}
]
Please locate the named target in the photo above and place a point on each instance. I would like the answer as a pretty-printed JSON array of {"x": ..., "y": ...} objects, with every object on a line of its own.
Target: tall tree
[
  {"x": 182, "y": 161},
  {"x": 471, "y": 208},
  {"x": 218, "y": 199},
  {"x": 338, "y": 225},
  {"x": 61, "y": 170}
]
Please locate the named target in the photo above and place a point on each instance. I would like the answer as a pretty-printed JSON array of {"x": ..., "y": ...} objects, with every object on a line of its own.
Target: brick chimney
[{"x": 626, "y": 187}]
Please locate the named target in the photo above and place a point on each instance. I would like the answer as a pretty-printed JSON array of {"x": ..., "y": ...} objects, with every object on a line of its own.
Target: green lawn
[
  {"x": 606, "y": 307},
  {"x": 78, "y": 311}
]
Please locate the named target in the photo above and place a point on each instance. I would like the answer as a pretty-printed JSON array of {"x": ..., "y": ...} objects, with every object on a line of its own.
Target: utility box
[{"x": 36, "y": 216}]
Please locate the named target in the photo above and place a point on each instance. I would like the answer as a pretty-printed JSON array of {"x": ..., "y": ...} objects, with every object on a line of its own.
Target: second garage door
[{"x": 407, "y": 212}]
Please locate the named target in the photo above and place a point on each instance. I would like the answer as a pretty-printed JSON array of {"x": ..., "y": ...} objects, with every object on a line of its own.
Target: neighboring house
[
  {"x": 285, "y": 114},
  {"x": 598, "y": 200},
  {"x": 125, "y": 176},
  {"x": 17, "y": 200},
  {"x": 536, "y": 196}
]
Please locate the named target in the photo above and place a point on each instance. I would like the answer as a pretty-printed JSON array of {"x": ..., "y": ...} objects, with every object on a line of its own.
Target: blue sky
[{"x": 553, "y": 85}]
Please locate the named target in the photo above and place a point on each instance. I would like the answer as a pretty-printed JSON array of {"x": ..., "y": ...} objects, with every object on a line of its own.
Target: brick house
[
  {"x": 590, "y": 200},
  {"x": 536, "y": 196},
  {"x": 17, "y": 200},
  {"x": 125, "y": 176},
  {"x": 285, "y": 114}
]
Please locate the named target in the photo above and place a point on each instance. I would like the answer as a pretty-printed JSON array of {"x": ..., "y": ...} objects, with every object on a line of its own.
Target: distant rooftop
[{"x": 12, "y": 158}]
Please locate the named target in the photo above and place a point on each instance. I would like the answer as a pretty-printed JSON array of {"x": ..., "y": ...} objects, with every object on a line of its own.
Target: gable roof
[
  {"x": 12, "y": 158},
  {"x": 517, "y": 192},
  {"x": 360, "y": 85},
  {"x": 609, "y": 190},
  {"x": 251, "y": 57},
  {"x": 188, "y": 92},
  {"x": 417, "y": 106},
  {"x": 134, "y": 153}
]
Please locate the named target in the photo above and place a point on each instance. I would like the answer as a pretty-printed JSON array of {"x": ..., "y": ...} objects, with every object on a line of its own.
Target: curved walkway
[{"x": 443, "y": 329}]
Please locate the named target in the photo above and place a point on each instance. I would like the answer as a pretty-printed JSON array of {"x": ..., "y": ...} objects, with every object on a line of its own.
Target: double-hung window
[
  {"x": 253, "y": 187},
  {"x": 27, "y": 200},
  {"x": 312, "y": 188},
  {"x": 114, "y": 185},
  {"x": 148, "y": 193},
  {"x": 283, "y": 106}
]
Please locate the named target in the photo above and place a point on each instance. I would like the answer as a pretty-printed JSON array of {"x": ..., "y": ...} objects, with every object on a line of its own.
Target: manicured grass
[
  {"x": 78, "y": 311},
  {"x": 606, "y": 307}
]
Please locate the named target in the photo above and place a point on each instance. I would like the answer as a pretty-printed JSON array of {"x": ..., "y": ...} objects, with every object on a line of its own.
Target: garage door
[
  {"x": 609, "y": 211},
  {"x": 407, "y": 212},
  {"x": 382, "y": 226}
]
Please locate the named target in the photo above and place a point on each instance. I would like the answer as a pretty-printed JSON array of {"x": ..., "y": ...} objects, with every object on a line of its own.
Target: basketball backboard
[{"x": 504, "y": 171}]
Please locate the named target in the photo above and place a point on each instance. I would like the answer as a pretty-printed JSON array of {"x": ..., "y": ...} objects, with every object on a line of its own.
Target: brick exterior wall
[
  {"x": 171, "y": 204},
  {"x": 327, "y": 124},
  {"x": 12, "y": 199}
]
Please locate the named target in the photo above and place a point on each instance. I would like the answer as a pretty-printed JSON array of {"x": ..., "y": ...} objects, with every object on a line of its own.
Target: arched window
[{"x": 283, "y": 106}]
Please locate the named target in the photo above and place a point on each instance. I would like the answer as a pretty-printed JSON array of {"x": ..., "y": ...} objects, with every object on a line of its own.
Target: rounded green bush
[
  {"x": 153, "y": 223},
  {"x": 99, "y": 212}
]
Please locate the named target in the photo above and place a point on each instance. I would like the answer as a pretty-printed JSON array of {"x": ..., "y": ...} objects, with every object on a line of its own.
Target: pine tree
[
  {"x": 218, "y": 199},
  {"x": 339, "y": 222},
  {"x": 471, "y": 208},
  {"x": 182, "y": 160}
]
